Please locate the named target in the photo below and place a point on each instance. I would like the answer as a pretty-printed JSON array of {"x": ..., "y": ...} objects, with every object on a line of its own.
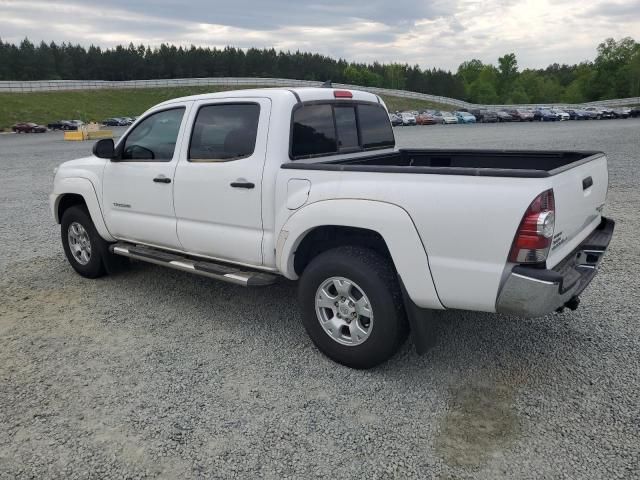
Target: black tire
[
  {"x": 375, "y": 275},
  {"x": 99, "y": 247}
]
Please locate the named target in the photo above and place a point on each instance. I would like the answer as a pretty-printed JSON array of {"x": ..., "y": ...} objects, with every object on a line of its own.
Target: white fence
[{"x": 55, "y": 85}]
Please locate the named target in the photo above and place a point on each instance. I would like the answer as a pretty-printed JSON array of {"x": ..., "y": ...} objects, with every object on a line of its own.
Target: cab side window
[
  {"x": 224, "y": 132},
  {"x": 154, "y": 138}
]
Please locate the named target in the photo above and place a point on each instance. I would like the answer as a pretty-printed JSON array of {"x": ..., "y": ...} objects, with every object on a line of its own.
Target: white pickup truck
[{"x": 307, "y": 183}]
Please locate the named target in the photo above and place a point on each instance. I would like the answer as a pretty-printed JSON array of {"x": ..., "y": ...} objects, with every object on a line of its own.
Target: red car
[
  {"x": 28, "y": 127},
  {"x": 426, "y": 119}
]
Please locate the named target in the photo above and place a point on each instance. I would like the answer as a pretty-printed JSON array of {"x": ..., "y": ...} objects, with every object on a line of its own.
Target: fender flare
[
  {"x": 390, "y": 221},
  {"x": 84, "y": 188}
]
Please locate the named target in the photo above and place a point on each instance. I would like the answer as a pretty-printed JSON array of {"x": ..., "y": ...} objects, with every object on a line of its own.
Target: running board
[{"x": 219, "y": 271}]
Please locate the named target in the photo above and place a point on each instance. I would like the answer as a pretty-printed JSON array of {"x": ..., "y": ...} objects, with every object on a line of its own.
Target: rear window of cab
[{"x": 332, "y": 128}]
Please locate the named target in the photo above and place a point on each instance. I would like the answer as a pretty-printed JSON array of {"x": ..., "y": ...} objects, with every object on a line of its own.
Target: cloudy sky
[{"x": 430, "y": 33}]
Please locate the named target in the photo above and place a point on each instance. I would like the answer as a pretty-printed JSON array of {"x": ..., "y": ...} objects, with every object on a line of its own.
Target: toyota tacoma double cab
[{"x": 307, "y": 184}]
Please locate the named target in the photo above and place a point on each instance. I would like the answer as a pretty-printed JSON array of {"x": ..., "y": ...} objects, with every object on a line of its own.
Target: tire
[
  {"x": 99, "y": 248},
  {"x": 370, "y": 274}
]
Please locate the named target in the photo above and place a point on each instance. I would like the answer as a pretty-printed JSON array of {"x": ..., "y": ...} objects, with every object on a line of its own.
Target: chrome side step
[{"x": 219, "y": 271}]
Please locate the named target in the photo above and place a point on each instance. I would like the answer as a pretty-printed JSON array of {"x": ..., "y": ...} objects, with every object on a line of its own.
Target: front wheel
[
  {"x": 84, "y": 248},
  {"x": 352, "y": 306}
]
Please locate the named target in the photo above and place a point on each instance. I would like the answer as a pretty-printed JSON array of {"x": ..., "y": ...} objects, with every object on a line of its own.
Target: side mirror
[{"x": 104, "y": 148}]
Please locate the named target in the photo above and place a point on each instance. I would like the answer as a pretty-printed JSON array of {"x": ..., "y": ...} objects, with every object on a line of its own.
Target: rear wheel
[
  {"x": 352, "y": 306},
  {"x": 85, "y": 249}
]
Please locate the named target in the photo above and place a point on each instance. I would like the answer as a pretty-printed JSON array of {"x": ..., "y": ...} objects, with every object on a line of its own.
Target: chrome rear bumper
[{"x": 534, "y": 292}]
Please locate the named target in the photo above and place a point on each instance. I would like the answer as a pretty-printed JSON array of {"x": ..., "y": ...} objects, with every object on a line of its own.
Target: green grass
[
  {"x": 401, "y": 103},
  {"x": 96, "y": 105}
]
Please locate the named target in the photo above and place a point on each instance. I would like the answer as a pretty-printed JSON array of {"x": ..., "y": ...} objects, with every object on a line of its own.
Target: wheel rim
[
  {"x": 79, "y": 243},
  {"x": 344, "y": 311}
]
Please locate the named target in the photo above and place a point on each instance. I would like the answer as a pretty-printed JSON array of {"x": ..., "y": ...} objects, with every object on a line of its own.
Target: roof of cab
[{"x": 305, "y": 94}]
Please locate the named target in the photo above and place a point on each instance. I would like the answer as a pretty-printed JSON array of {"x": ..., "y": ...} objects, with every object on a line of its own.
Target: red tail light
[
  {"x": 342, "y": 94},
  {"x": 535, "y": 233}
]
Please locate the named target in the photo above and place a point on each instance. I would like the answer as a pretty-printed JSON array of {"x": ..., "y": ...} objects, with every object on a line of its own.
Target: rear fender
[{"x": 390, "y": 221}]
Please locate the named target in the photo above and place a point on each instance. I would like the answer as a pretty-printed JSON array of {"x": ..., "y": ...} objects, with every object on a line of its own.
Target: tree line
[{"x": 614, "y": 73}]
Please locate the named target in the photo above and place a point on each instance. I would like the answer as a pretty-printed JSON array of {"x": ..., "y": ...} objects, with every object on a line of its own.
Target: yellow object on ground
[
  {"x": 93, "y": 135},
  {"x": 76, "y": 136},
  {"x": 88, "y": 134}
]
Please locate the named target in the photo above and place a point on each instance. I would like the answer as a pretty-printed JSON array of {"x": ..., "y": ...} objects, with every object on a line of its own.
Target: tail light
[{"x": 533, "y": 238}]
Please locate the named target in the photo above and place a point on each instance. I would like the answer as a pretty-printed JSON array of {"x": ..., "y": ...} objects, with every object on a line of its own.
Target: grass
[
  {"x": 401, "y": 103},
  {"x": 96, "y": 105}
]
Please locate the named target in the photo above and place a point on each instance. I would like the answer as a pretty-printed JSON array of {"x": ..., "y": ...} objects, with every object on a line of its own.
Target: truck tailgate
[{"x": 580, "y": 192}]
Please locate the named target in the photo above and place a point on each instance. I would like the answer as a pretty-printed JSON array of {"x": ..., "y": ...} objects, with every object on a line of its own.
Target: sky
[{"x": 435, "y": 33}]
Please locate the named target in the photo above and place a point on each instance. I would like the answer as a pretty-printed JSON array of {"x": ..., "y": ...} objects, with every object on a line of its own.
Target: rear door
[
  {"x": 137, "y": 186},
  {"x": 218, "y": 182},
  {"x": 580, "y": 193}
]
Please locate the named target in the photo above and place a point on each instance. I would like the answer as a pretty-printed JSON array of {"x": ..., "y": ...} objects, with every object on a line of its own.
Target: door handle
[
  {"x": 242, "y": 185},
  {"x": 587, "y": 182},
  {"x": 162, "y": 179}
]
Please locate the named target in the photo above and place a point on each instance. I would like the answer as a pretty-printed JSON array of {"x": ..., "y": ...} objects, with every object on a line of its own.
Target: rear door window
[{"x": 224, "y": 132}]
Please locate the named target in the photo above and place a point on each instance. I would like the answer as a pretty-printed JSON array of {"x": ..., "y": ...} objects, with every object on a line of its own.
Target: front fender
[
  {"x": 83, "y": 187},
  {"x": 390, "y": 221}
]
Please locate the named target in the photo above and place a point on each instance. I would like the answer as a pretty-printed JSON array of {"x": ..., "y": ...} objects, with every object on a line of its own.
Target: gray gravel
[{"x": 155, "y": 373}]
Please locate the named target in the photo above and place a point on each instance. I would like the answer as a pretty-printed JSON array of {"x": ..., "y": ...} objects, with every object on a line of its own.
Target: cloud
[
  {"x": 615, "y": 10},
  {"x": 434, "y": 33}
]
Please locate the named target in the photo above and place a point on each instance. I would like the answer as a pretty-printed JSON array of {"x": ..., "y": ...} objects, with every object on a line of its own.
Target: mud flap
[
  {"x": 113, "y": 264},
  {"x": 423, "y": 323}
]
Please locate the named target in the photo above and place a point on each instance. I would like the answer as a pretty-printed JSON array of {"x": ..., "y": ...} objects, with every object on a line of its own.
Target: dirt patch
[{"x": 481, "y": 421}]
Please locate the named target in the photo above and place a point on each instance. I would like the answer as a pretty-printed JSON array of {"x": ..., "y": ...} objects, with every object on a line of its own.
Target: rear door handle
[
  {"x": 242, "y": 185},
  {"x": 587, "y": 182},
  {"x": 162, "y": 179}
]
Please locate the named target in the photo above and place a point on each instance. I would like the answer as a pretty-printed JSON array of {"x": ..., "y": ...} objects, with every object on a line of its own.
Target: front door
[
  {"x": 138, "y": 184},
  {"x": 218, "y": 181}
]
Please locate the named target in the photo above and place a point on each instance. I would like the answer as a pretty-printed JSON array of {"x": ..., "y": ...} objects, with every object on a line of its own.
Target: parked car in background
[
  {"x": 577, "y": 114},
  {"x": 395, "y": 119},
  {"x": 562, "y": 115},
  {"x": 590, "y": 114},
  {"x": 464, "y": 117},
  {"x": 634, "y": 112},
  {"x": 593, "y": 110},
  {"x": 503, "y": 116},
  {"x": 115, "y": 122},
  {"x": 545, "y": 115},
  {"x": 485, "y": 116},
  {"x": 408, "y": 118},
  {"x": 62, "y": 125},
  {"x": 621, "y": 112},
  {"x": 427, "y": 118},
  {"x": 520, "y": 115},
  {"x": 445, "y": 117},
  {"x": 607, "y": 112},
  {"x": 601, "y": 113},
  {"x": 28, "y": 127}
]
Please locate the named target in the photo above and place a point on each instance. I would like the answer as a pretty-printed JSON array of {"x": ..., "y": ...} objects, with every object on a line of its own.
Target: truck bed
[{"x": 492, "y": 163}]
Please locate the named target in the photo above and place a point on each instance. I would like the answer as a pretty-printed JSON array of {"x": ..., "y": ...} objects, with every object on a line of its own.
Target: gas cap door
[{"x": 297, "y": 192}]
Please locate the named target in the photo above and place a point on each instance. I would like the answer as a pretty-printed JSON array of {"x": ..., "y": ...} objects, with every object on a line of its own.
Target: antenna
[{"x": 326, "y": 84}]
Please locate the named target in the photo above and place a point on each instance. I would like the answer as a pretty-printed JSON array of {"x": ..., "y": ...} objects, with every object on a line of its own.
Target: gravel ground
[{"x": 156, "y": 373}]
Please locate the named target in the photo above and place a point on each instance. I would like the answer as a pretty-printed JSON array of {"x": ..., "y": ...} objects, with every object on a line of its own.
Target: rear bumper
[{"x": 534, "y": 292}]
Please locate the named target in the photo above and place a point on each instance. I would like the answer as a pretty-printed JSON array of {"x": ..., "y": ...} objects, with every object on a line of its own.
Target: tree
[
  {"x": 507, "y": 72},
  {"x": 615, "y": 72}
]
